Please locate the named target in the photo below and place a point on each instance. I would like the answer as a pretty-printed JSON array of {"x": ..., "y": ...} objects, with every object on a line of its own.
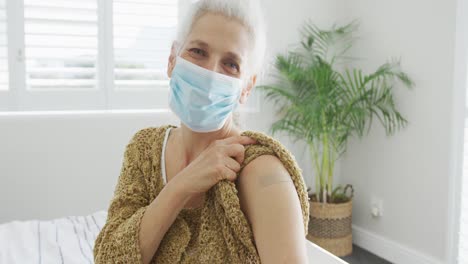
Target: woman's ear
[
  {"x": 248, "y": 89},
  {"x": 172, "y": 59}
]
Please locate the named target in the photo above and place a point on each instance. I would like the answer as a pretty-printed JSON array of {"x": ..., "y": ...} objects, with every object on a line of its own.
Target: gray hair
[{"x": 248, "y": 12}]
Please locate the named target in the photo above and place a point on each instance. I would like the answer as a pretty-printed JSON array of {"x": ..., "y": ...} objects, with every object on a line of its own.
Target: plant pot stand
[{"x": 330, "y": 227}]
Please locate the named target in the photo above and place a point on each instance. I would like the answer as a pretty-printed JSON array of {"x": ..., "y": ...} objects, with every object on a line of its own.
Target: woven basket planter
[{"x": 330, "y": 227}]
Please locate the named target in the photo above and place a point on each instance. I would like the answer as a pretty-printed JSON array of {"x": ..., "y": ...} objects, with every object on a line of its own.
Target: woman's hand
[{"x": 221, "y": 160}]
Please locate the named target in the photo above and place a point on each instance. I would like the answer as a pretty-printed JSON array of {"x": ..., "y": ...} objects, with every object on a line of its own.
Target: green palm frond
[
  {"x": 330, "y": 45},
  {"x": 324, "y": 106}
]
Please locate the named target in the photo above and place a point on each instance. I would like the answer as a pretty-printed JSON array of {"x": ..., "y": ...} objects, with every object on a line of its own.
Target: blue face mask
[{"x": 202, "y": 99}]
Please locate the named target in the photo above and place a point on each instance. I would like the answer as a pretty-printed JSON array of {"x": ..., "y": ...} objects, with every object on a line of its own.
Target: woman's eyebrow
[
  {"x": 205, "y": 45},
  {"x": 234, "y": 56},
  {"x": 200, "y": 43}
]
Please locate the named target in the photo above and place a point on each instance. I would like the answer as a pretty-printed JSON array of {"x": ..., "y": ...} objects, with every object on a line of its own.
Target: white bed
[
  {"x": 63, "y": 240},
  {"x": 71, "y": 240}
]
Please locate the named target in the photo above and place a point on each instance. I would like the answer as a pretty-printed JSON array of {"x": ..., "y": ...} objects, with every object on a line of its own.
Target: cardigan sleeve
[{"x": 118, "y": 240}]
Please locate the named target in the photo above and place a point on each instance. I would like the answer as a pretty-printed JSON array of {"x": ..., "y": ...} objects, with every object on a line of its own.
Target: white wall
[
  {"x": 284, "y": 18},
  {"x": 57, "y": 165},
  {"x": 410, "y": 171},
  {"x": 414, "y": 171}
]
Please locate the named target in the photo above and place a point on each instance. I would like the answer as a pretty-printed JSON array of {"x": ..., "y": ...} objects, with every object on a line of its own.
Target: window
[
  {"x": 61, "y": 44},
  {"x": 85, "y": 55},
  {"x": 143, "y": 31},
  {"x": 142, "y": 35}
]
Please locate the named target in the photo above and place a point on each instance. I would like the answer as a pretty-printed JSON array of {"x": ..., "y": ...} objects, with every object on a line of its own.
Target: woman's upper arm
[
  {"x": 269, "y": 200},
  {"x": 118, "y": 239},
  {"x": 130, "y": 192}
]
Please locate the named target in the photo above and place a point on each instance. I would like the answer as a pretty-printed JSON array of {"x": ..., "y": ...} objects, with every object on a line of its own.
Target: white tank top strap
[{"x": 163, "y": 161}]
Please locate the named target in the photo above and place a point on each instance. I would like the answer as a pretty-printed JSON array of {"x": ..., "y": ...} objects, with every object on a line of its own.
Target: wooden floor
[{"x": 361, "y": 256}]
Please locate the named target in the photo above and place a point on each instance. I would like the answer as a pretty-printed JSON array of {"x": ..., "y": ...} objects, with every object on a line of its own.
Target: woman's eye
[
  {"x": 233, "y": 66},
  {"x": 197, "y": 51}
]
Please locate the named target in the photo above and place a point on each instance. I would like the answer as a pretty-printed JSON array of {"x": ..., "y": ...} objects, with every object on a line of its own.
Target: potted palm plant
[{"x": 323, "y": 102}]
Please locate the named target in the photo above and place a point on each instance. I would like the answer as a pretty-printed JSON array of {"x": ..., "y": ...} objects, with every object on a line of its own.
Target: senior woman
[{"x": 168, "y": 170}]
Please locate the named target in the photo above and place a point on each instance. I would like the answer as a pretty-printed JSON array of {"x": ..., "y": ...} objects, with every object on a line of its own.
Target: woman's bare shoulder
[
  {"x": 262, "y": 172},
  {"x": 269, "y": 200}
]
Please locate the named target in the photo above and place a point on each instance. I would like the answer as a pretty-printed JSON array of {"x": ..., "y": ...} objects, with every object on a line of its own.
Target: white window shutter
[
  {"x": 61, "y": 44},
  {"x": 142, "y": 37},
  {"x": 143, "y": 31},
  {"x": 61, "y": 56},
  {"x": 85, "y": 55}
]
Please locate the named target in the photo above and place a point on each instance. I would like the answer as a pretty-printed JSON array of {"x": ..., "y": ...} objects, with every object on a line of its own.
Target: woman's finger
[
  {"x": 229, "y": 174},
  {"x": 232, "y": 164},
  {"x": 244, "y": 140},
  {"x": 236, "y": 151}
]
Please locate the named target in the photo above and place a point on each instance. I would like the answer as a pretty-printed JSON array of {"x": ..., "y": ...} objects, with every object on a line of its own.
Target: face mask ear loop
[
  {"x": 239, "y": 95},
  {"x": 244, "y": 84}
]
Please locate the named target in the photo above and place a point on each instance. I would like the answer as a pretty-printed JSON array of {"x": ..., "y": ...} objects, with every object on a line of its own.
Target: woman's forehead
[{"x": 221, "y": 34}]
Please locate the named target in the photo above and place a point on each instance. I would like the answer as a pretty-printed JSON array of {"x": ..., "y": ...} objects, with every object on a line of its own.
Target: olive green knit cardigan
[{"x": 217, "y": 232}]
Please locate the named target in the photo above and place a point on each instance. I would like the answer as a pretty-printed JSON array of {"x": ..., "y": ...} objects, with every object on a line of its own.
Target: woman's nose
[{"x": 214, "y": 65}]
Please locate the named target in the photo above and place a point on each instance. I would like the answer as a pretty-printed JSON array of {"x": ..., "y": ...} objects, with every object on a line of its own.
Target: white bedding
[
  {"x": 71, "y": 240},
  {"x": 64, "y": 240}
]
